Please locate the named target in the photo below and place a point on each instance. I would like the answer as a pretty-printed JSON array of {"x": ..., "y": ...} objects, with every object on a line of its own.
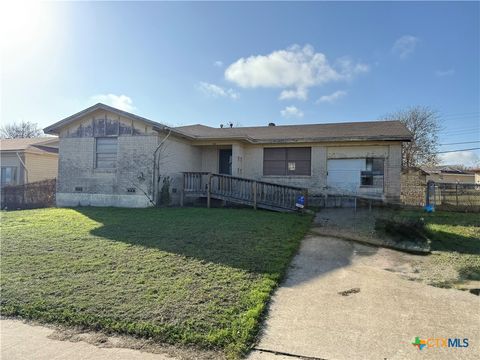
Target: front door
[{"x": 225, "y": 161}]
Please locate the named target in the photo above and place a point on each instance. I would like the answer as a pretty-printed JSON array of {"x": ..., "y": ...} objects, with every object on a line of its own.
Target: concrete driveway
[{"x": 308, "y": 316}]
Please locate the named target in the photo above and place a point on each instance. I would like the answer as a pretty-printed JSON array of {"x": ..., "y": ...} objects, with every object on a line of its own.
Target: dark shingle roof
[
  {"x": 352, "y": 131},
  {"x": 369, "y": 130}
]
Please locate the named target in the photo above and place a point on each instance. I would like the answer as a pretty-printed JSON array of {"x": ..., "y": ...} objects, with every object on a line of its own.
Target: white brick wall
[{"x": 135, "y": 168}]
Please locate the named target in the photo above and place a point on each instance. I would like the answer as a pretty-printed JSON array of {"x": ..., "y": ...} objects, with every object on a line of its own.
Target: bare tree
[
  {"x": 23, "y": 129},
  {"x": 424, "y": 125},
  {"x": 143, "y": 173}
]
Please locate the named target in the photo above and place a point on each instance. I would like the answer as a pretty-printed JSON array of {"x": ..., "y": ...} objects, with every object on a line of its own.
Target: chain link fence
[{"x": 455, "y": 196}]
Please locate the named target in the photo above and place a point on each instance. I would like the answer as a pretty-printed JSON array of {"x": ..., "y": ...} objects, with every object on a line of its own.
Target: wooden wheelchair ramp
[{"x": 239, "y": 190}]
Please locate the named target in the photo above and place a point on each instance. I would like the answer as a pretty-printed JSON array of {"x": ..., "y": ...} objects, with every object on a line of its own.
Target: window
[
  {"x": 287, "y": 161},
  {"x": 9, "y": 175},
  {"x": 373, "y": 175},
  {"x": 106, "y": 153}
]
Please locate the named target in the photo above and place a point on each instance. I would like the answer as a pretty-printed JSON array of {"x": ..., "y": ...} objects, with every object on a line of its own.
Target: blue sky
[{"x": 246, "y": 63}]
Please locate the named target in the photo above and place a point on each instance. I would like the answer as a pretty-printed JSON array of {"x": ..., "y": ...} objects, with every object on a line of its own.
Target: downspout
[
  {"x": 154, "y": 175},
  {"x": 24, "y": 167}
]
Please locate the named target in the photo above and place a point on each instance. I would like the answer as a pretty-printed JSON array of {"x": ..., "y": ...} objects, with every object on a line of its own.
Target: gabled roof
[
  {"x": 351, "y": 131},
  {"x": 54, "y": 129},
  {"x": 40, "y": 144}
]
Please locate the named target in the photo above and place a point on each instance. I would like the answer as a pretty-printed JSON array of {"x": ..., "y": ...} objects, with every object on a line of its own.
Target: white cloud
[
  {"x": 405, "y": 46},
  {"x": 216, "y": 91},
  {"x": 442, "y": 73},
  {"x": 300, "y": 94},
  {"x": 332, "y": 97},
  {"x": 466, "y": 158},
  {"x": 218, "y": 63},
  {"x": 291, "y": 112},
  {"x": 295, "y": 70},
  {"x": 122, "y": 102}
]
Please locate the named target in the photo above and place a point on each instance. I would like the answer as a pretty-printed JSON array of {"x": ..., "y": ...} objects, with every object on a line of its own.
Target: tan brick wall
[
  {"x": 393, "y": 170},
  {"x": 413, "y": 187},
  {"x": 316, "y": 183}
]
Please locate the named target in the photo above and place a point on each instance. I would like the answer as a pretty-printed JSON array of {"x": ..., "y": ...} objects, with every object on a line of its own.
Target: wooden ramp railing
[{"x": 259, "y": 194}]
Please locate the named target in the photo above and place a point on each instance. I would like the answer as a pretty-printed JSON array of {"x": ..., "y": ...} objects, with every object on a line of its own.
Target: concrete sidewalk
[
  {"x": 310, "y": 317},
  {"x": 19, "y": 340}
]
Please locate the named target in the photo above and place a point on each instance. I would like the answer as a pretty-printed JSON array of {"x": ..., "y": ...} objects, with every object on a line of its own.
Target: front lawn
[
  {"x": 181, "y": 276},
  {"x": 455, "y": 244}
]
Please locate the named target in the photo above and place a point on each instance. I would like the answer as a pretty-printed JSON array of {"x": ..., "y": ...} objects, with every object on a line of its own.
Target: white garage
[{"x": 349, "y": 176}]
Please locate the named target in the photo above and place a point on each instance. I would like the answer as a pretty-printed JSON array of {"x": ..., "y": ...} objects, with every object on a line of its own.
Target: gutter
[
  {"x": 154, "y": 173},
  {"x": 24, "y": 167}
]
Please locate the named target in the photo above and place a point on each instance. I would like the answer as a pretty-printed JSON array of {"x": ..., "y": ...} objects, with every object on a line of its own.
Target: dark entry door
[{"x": 225, "y": 161}]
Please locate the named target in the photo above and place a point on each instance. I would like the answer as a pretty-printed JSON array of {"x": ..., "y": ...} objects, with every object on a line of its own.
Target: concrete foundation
[{"x": 129, "y": 201}]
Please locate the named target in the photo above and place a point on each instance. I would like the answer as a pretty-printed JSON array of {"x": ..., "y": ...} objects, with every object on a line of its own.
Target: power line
[
  {"x": 460, "y": 129},
  {"x": 452, "y": 151},
  {"x": 460, "y": 114},
  {"x": 457, "y": 132},
  {"x": 461, "y": 143}
]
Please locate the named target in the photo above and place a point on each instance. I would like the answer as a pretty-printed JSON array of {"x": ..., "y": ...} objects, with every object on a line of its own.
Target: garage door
[{"x": 343, "y": 175}]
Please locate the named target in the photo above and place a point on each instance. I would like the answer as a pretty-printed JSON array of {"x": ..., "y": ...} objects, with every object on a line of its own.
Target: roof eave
[
  {"x": 331, "y": 139},
  {"x": 53, "y": 129},
  {"x": 294, "y": 140}
]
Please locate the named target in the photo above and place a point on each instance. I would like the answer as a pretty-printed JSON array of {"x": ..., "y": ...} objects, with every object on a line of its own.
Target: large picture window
[
  {"x": 287, "y": 161},
  {"x": 106, "y": 153},
  {"x": 373, "y": 175}
]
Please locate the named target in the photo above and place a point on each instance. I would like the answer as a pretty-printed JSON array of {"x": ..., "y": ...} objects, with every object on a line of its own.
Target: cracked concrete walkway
[
  {"x": 308, "y": 317},
  {"x": 21, "y": 341}
]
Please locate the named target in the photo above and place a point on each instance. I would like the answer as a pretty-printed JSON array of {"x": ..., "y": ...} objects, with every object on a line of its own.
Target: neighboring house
[
  {"x": 113, "y": 158},
  {"x": 28, "y": 160},
  {"x": 449, "y": 174},
  {"x": 477, "y": 176}
]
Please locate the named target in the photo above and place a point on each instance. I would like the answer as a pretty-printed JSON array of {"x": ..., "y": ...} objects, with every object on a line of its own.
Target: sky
[{"x": 246, "y": 63}]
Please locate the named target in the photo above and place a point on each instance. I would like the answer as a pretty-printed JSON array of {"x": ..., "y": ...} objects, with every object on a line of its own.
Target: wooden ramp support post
[
  {"x": 182, "y": 190},
  {"x": 209, "y": 190},
  {"x": 305, "y": 197},
  {"x": 254, "y": 189}
]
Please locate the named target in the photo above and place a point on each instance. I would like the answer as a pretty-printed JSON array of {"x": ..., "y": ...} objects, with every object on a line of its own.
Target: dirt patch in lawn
[
  {"x": 104, "y": 340},
  {"x": 362, "y": 225}
]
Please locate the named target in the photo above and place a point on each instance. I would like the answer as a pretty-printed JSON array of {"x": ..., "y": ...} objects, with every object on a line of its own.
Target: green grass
[
  {"x": 455, "y": 242},
  {"x": 181, "y": 276}
]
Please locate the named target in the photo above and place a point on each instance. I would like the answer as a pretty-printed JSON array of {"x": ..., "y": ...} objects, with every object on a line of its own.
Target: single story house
[
  {"x": 449, "y": 174},
  {"x": 109, "y": 157},
  {"x": 28, "y": 160}
]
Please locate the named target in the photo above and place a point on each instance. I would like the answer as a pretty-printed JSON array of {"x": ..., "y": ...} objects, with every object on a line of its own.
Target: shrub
[
  {"x": 165, "y": 192},
  {"x": 410, "y": 229}
]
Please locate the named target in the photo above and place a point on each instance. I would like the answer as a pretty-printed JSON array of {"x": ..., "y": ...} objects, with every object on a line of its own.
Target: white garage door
[{"x": 343, "y": 175}]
